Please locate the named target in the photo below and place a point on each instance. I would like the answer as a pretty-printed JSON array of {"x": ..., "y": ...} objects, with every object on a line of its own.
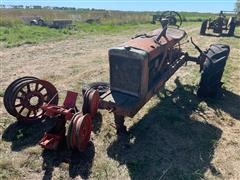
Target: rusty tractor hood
[{"x": 148, "y": 42}]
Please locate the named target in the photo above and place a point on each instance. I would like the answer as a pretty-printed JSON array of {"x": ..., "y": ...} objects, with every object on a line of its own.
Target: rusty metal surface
[
  {"x": 79, "y": 131},
  {"x": 91, "y": 102},
  {"x": 128, "y": 71},
  {"x": 149, "y": 44},
  {"x": 53, "y": 137},
  {"x": 83, "y": 131},
  {"x": 128, "y": 105},
  {"x": 135, "y": 66}
]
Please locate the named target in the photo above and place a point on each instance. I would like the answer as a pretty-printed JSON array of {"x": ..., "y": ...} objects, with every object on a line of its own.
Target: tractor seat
[
  {"x": 171, "y": 33},
  {"x": 176, "y": 34}
]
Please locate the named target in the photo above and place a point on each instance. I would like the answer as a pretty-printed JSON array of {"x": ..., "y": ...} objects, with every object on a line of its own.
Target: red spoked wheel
[
  {"x": 28, "y": 96},
  {"x": 91, "y": 102},
  {"x": 79, "y": 131},
  {"x": 9, "y": 91}
]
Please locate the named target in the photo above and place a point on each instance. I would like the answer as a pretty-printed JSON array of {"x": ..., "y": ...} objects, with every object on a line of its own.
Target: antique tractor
[
  {"x": 168, "y": 18},
  {"x": 38, "y": 21},
  {"x": 139, "y": 69},
  {"x": 221, "y": 25},
  {"x": 56, "y": 23}
]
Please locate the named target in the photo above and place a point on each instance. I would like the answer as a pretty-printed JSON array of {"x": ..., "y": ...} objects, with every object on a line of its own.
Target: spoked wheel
[
  {"x": 9, "y": 91},
  {"x": 170, "y": 18},
  {"x": 91, "y": 102},
  {"x": 79, "y": 131},
  {"x": 27, "y": 97}
]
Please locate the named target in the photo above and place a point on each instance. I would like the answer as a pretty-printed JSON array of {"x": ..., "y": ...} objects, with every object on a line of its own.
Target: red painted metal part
[
  {"x": 154, "y": 47},
  {"x": 91, "y": 102},
  {"x": 66, "y": 110},
  {"x": 52, "y": 138},
  {"x": 73, "y": 132},
  {"x": 64, "y": 113},
  {"x": 79, "y": 131},
  {"x": 50, "y": 141},
  {"x": 80, "y": 127},
  {"x": 28, "y": 97},
  {"x": 83, "y": 131},
  {"x": 69, "y": 133}
]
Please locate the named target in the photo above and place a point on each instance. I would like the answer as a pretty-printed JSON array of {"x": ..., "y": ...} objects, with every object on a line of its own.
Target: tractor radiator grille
[{"x": 125, "y": 74}]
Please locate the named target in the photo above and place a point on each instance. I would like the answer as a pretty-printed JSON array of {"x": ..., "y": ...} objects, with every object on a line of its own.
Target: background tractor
[
  {"x": 167, "y": 18},
  {"x": 225, "y": 23}
]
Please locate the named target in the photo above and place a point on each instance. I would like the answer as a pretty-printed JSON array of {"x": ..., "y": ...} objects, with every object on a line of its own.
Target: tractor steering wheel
[{"x": 171, "y": 18}]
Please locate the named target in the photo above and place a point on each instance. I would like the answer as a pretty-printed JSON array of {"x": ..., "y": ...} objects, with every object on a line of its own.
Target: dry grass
[
  {"x": 11, "y": 17},
  {"x": 174, "y": 136}
]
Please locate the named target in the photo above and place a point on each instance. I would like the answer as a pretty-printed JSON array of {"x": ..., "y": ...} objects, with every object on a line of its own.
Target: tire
[
  {"x": 9, "y": 92},
  {"x": 232, "y": 26},
  {"x": 213, "y": 68},
  {"x": 203, "y": 27},
  {"x": 102, "y": 87}
]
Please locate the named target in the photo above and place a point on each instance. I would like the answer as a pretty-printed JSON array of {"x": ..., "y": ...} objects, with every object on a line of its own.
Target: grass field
[
  {"x": 14, "y": 32},
  {"x": 175, "y": 135}
]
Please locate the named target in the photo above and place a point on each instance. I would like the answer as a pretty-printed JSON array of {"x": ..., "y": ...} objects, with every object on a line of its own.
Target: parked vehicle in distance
[
  {"x": 225, "y": 23},
  {"x": 56, "y": 23}
]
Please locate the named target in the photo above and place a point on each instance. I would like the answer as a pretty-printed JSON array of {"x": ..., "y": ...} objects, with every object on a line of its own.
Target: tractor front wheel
[
  {"x": 232, "y": 26},
  {"x": 213, "y": 68},
  {"x": 204, "y": 27}
]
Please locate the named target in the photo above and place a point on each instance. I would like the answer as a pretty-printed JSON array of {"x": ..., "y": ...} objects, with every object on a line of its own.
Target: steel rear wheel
[
  {"x": 9, "y": 91},
  {"x": 26, "y": 97}
]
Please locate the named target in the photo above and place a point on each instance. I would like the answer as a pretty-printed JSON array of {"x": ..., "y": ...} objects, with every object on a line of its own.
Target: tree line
[{"x": 47, "y": 7}]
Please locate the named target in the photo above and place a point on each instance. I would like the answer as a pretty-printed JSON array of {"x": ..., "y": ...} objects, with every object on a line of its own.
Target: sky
[{"x": 134, "y": 5}]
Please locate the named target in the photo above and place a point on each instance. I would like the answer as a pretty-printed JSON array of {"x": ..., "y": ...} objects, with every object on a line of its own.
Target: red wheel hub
[
  {"x": 79, "y": 131},
  {"x": 91, "y": 102}
]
